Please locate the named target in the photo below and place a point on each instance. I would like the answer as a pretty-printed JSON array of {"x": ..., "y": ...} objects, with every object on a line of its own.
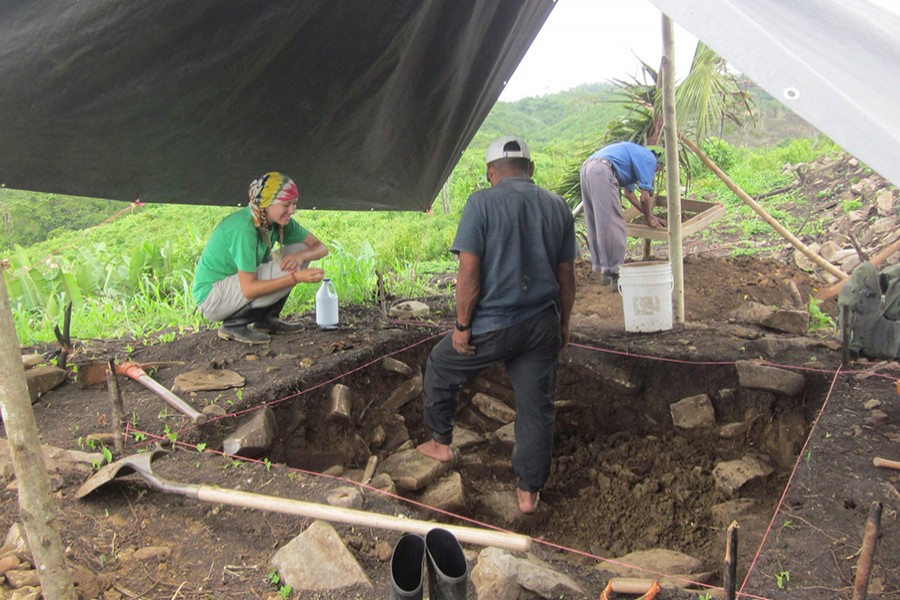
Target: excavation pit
[{"x": 650, "y": 452}]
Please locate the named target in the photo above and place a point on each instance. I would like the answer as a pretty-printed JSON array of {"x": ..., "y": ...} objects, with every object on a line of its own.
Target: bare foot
[
  {"x": 436, "y": 450},
  {"x": 528, "y": 501}
]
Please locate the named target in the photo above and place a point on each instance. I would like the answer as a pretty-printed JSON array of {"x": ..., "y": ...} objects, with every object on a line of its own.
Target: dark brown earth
[{"x": 623, "y": 478}]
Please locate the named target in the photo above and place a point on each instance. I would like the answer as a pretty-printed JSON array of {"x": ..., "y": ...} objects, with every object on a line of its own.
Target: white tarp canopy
[{"x": 835, "y": 63}]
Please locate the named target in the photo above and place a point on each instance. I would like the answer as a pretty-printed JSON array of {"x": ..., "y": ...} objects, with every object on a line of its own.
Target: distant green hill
[{"x": 559, "y": 127}]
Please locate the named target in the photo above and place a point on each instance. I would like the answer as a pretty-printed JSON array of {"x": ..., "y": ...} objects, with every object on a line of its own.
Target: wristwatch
[{"x": 461, "y": 327}]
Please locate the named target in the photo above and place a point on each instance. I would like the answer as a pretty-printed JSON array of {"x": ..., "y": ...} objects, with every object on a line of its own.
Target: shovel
[
  {"x": 134, "y": 371},
  {"x": 141, "y": 464}
]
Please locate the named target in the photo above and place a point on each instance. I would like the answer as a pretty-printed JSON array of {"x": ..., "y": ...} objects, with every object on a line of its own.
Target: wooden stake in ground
[
  {"x": 864, "y": 562},
  {"x": 731, "y": 547},
  {"x": 36, "y": 505},
  {"x": 118, "y": 413}
]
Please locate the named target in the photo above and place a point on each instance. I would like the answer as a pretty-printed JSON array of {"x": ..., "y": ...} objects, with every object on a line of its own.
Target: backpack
[{"x": 873, "y": 302}]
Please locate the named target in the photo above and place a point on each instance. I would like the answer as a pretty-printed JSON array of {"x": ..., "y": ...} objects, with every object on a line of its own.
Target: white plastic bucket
[{"x": 646, "y": 289}]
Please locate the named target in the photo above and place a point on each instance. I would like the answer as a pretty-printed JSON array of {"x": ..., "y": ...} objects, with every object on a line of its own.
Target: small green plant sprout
[
  {"x": 239, "y": 393},
  {"x": 284, "y": 591},
  {"x": 782, "y": 578},
  {"x": 268, "y": 463},
  {"x": 705, "y": 596},
  {"x": 201, "y": 446},
  {"x": 818, "y": 319},
  {"x": 788, "y": 523},
  {"x": 107, "y": 458},
  {"x": 164, "y": 413},
  {"x": 80, "y": 442},
  {"x": 172, "y": 436},
  {"x": 851, "y": 205},
  {"x": 138, "y": 436}
]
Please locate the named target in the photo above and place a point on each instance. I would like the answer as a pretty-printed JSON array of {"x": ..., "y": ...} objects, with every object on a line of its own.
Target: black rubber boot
[
  {"x": 236, "y": 327},
  {"x": 408, "y": 568},
  {"x": 448, "y": 571},
  {"x": 270, "y": 323}
]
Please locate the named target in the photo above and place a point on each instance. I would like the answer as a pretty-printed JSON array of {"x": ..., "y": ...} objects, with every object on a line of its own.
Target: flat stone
[
  {"x": 411, "y": 470},
  {"x": 693, "y": 412},
  {"x": 464, "y": 437},
  {"x": 318, "y": 561},
  {"x": 788, "y": 321},
  {"x": 404, "y": 393},
  {"x": 493, "y": 408},
  {"x": 506, "y": 434},
  {"x": 751, "y": 312},
  {"x": 254, "y": 436},
  {"x": 346, "y": 496},
  {"x": 657, "y": 560},
  {"x": 31, "y": 360},
  {"x": 500, "y": 575},
  {"x": 774, "y": 379},
  {"x": 732, "y": 430},
  {"x": 19, "y": 578},
  {"x": 205, "y": 380},
  {"x": 396, "y": 366},
  {"x": 446, "y": 493},
  {"x": 42, "y": 379},
  {"x": 732, "y": 475},
  {"x": 410, "y": 309}
]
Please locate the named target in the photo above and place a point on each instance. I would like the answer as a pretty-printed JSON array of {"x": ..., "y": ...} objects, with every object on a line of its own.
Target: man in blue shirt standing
[
  {"x": 514, "y": 295},
  {"x": 624, "y": 165}
]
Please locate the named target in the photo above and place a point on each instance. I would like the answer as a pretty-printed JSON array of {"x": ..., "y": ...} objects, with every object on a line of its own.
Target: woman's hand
[
  {"x": 311, "y": 275},
  {"x": 291, "y": 262}
]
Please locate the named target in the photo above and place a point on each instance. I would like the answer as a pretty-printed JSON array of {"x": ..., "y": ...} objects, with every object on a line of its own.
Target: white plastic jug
[{"x": 327, "y": 306}]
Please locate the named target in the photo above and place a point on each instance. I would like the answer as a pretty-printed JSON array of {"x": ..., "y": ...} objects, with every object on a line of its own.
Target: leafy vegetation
[{"x": 127, "y": 269}]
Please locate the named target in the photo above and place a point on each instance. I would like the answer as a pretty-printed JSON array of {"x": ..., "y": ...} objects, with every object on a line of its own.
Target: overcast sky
[{"x": 588, "y": 41}]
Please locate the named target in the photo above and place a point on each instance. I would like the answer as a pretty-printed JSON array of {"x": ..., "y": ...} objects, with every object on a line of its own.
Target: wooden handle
[
  {"x": 482, "y": 537},
  {"x": 888, "y": 464}
]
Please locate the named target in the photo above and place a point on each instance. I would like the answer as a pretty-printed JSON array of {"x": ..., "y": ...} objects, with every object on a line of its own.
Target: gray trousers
[
  {"x": 529, "y": 350},
  {"x": 226, "y": 297},
  {"x": 603, "y": 216}
]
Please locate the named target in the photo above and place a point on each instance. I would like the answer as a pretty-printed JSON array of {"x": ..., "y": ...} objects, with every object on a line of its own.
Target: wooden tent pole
[{"x": 762, "y": 212}]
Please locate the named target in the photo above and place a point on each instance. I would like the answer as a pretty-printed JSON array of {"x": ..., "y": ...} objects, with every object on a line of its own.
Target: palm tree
[{"x": 709, "y": 96}]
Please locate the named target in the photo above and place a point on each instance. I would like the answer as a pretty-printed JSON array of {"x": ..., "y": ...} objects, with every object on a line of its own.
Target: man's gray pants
[
  {"x": 603, "y": 216},
  {"x": 529, "y": 350}
]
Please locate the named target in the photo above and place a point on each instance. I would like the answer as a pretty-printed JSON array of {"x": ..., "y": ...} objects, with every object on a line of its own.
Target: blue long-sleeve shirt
[{"x": 633, "y": 163}]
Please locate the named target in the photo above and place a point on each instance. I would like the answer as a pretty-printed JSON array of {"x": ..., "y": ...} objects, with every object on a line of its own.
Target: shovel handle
[
  {"x": 883, "y": 462},
  {"x": 483, "y": 537},
  {"x": 134, "y": 371}
]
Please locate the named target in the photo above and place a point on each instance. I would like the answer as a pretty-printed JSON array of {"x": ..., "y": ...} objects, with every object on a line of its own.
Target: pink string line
[
  {"x": 790, "y": 479},
  {"x": 501, "y": 529}
]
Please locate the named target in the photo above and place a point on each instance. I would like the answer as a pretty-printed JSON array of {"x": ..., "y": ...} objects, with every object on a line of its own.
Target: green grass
[{"x": 131, "y": 276}]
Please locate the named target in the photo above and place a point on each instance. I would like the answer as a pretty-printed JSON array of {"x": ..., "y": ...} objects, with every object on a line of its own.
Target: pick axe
[{"x": 134, "y": 371}]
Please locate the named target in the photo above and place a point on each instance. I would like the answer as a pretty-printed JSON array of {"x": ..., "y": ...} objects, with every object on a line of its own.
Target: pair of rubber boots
[
  {"x": 265, "y": 320},
  {"x": 448, "y": 572}
]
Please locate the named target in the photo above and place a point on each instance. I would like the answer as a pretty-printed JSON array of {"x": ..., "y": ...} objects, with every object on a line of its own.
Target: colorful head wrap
[{"x": 271, "y": 188}]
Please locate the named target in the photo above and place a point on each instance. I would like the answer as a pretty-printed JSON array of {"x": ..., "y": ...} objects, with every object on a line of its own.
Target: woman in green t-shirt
[{"x": 242, "y": 279}]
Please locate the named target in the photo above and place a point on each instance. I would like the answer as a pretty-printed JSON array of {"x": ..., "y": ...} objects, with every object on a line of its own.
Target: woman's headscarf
[{"x": 270, "y": 188}]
